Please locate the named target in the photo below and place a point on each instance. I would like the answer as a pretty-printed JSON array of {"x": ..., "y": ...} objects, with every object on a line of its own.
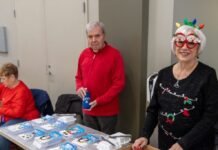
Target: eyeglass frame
[{"x": 187, "y": 42}]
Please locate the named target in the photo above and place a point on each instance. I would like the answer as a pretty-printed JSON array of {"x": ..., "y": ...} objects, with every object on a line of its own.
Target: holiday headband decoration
[{"x": 191, "y": 23}]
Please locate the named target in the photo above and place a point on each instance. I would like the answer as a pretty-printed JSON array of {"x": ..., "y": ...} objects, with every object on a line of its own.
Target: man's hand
[
  {"x": 81, "y": 92},
  {"x": 176, "y": 146},
  {"x": 140, "y": 143},
  {"x": 93, "y": 104}
]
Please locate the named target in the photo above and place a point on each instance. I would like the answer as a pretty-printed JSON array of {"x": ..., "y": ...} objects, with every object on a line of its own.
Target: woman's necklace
[{"x": 176, "y": 85}]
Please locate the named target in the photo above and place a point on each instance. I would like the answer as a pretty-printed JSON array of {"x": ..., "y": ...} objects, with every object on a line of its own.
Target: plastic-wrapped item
[
  {"x": 67, "y": 119},
  {"x": 73, "y": 132},
  {"x": 65, "y": 146},
  {"x": 27, "y": 136},
  {"x": 44, "y": 120},
  {"x": 20, "y": 127},
  {"x": 68, "y": 146},
  {"x": 31, "y": 135},
  {"x": 120, "y": 138},
  {"x": 87, "y": 139},
  {"x": 39, "y": 132},
  {"x": 103, "y": 145},
  {"x": 114, "y": 141},
  {"x": 58, "y": 125},
  {"x": 50, "y": 139}
]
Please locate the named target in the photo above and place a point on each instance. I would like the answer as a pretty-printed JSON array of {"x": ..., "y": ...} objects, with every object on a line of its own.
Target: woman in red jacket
[{"x": 16, "y": 100}]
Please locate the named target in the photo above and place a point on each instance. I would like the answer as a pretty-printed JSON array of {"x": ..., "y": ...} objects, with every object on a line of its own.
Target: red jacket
[
  {"x": 17, "y": 103},
  {"x": 103, "y": 75}
]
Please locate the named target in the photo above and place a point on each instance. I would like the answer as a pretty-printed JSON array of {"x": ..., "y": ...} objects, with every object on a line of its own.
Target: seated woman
[{"x": 16, "y": 101}]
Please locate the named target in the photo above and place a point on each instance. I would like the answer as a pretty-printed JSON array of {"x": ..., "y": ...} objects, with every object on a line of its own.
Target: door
[
  {"x": 65, "y": 38},
  {"x": 30, "y": 43},
  {"x": 50, "y": 37}
]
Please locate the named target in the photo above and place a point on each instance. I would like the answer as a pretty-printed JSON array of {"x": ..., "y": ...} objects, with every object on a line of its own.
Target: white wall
[
  {"x": 7, "y": 19},
  {"x": 34, "y": 30},
  {"x": 159, "y": 34}
]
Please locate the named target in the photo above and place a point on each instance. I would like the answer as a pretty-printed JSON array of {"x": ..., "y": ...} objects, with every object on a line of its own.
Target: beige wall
[
  {"x": 126, "y": 29},
  {"x": 159, "y": 37},
  {"x": 93, "y": 10},
  {"x": 206, "y": 12},
  {"x": 159, "y": 34}
]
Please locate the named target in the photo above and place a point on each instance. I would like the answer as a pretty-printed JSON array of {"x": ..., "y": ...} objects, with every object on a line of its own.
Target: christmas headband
[
  {"x": 190, "y": 23},
  {"x": 197, "y": 30}
]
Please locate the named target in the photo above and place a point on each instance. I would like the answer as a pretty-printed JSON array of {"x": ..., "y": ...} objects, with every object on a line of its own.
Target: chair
[
  {"x": 43, "y": 104},
  {"x": 151, "y": 80},
  {"x": 42, "y": 101},
  {"x": 216, "y": 136},
  {"x": 69, "y": 104}
]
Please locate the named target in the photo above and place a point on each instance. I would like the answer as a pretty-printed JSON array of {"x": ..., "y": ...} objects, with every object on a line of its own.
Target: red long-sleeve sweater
[
  {"x": 103, "y": 75},
  {"x": 17, "y": 103}
]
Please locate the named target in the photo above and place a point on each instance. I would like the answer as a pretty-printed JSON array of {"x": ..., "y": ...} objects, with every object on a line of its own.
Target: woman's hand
[
  {"x": 140, "y": 143},
  {"x": 176, "y": 146}
]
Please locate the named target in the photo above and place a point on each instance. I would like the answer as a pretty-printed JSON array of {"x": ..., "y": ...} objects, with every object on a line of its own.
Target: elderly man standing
[{"x": 101, "y": 73}]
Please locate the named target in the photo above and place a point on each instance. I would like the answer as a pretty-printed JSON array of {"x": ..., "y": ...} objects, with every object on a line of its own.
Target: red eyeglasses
[{"x": 190, "y": 40}]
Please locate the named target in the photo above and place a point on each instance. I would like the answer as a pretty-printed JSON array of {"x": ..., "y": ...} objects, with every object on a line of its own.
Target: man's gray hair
[{"x": 94, "y": 24}]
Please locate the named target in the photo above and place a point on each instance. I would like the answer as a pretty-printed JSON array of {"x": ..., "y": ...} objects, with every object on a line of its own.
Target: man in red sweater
[{"x": 101, "y": 73}]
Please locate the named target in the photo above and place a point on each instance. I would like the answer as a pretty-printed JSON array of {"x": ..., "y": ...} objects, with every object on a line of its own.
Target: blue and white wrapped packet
[
  {"x": 31, "y": 135},
  {"x": 20, "y": 127},
  {"x": 50, "y": 139},
  {"x": 73, "y": 132},
  {"x": 67, "y": 119},
  {"x": 58, "y": 125},
  {"x": 65, "y": 146},
  {"x": 39, "y": 132},
  {"x": 86, "y": 140},
  {"x": 44, "y": 120},
  {"x": 27, "y": 136}
]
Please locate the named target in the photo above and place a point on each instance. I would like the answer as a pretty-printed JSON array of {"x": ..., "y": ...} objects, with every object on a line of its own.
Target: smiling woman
[{"x": 184, "y": 103}]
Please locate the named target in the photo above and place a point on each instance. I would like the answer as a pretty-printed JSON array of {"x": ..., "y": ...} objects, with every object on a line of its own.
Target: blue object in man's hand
[{"x": 86, "y": 101}]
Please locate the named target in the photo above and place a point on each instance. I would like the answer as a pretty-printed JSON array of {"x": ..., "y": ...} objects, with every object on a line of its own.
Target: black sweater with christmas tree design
[{"x": 185, "y": 110}]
